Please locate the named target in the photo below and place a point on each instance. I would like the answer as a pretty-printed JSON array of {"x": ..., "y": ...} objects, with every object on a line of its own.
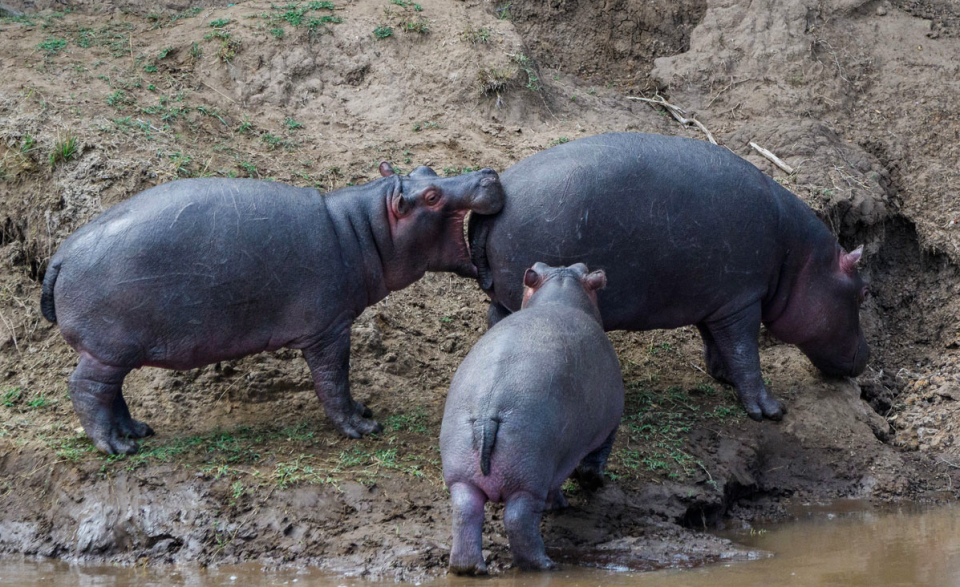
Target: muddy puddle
[{"x": 843, "y": 544}]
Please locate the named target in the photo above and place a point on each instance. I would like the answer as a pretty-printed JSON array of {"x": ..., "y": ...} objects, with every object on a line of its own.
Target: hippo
[
  {"x": 689, "y": 233},
  {"x": 538, "y": 397},
  {"x": 197, "y": 271}
]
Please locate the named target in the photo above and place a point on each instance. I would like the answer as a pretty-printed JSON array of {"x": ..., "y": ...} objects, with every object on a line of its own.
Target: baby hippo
[{"x": 538, "y": 397}]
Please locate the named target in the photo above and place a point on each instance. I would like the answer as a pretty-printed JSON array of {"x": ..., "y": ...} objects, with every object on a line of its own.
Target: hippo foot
[
  {"x": 357, "y": 423},
  {"x": 540, "y": 563},
  {"x": 135, "y": 428},
  {"x": 589, "y": 478},
  {"x": 763, "y": 405},
  {"x": 557, "y": 501},
  {"x": 114, "y": 443},
  {"x": 467, "y": 568}
]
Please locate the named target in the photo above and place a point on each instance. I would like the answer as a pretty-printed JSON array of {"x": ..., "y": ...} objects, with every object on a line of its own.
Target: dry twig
[
  {"x": 677, "y": 113},
  {"x": 772, "y": 158},
  {"x": 949, "y": 464}
]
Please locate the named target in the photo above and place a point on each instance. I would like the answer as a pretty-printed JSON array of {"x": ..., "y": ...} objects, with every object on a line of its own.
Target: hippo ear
[
  {"x": 849, "y": 261},
  {"x": 595, "y": 280},
  {"x": 386, "y": 170},
  {"x": 531, "y": 278},
  {"x": 400, "y": 206},
  {"x": 423, "y": 171}
]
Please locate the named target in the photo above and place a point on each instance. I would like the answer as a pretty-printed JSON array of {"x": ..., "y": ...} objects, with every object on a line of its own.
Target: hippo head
[
  {"x": 823, "y": 315},
  {"x": 544, "y": 283},
  {"x": 426, "y": 214}
]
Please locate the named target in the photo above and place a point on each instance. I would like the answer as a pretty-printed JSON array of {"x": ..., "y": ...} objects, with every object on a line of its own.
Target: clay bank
[{"x": 107, "y": 100}]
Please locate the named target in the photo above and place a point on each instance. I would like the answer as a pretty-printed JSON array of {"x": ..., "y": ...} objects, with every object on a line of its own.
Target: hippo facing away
[
  {"x": 538, "y": 397},
  {"x": 688, "y": 233},
  {"x": 197, "y": 271}
]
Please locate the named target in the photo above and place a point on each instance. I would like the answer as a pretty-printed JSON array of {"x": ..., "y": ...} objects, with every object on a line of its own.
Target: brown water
[{"x": 825, "y": 546}]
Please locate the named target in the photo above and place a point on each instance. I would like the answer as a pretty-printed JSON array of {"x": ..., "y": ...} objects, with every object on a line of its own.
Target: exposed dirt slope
[{"x": 859, "y": 97}]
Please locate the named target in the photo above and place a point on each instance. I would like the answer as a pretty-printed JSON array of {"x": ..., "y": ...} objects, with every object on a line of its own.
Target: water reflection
[{"x": 826, "y": 548}]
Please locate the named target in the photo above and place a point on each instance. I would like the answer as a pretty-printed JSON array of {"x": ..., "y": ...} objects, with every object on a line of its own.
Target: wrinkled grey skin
[
  {"x": 688, "y": 233},
  {"x": 197, "y": 271},
  {"x": 538, "y": 397}
]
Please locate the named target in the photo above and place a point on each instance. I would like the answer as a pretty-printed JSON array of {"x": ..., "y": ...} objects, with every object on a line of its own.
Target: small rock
[{"x": 881, "y": 10}]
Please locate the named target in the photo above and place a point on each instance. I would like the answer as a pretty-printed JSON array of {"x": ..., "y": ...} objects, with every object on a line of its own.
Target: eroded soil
[{"x": 861, "y": 98}]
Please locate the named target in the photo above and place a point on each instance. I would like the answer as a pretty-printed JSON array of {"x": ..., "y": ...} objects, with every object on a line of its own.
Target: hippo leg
[
  {"x": 736, "y": 340},
  {"x": 556, "y": 500},
  {"x": 329, "y": 362},
  {"x": 127, "y": 425},
  {"x": 466, "y": 556},
  {"x": 589, "y": 473},
  {"x": 522, "y": 519},
  {"x": 712, "y": 357},
  {"x": 94, "y": 389},
  {"x": 495, "y": 313}
]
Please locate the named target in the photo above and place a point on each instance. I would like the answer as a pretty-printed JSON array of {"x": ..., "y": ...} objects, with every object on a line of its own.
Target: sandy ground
[{"x": 860, "y": 98}]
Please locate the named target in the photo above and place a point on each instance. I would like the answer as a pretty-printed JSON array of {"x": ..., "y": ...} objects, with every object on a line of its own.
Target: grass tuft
[{"x": 63, "y": 150}]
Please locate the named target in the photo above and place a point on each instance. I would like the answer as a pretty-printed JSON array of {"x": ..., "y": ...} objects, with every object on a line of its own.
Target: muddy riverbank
[
  {"x": 846, "y": 542},
  {"x": 244, "y": 466}
]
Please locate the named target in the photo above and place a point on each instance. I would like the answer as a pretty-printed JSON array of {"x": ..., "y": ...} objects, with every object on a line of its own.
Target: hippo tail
[
  {"x": 47, "y": 307},
  {"x": 485, "y": 435}
]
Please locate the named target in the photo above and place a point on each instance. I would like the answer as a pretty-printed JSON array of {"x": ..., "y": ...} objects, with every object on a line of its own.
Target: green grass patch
[
  {"x": 63, "y": 150},
  {"x": 383, "y": 32},
  {"x": 419, "y": 126},
  {"x": 451, "y": 171},
  {"x": 527, "y": 66},
  {"x": 476, "y": 36},
  {"x": 52, "y": 45},
  {"x": 11, "y": 397},
  {"x": 657, "y": 424},
  {"x": 414, "y": 422},
  {"x": 297, "y": 15},
  {"x": 118, "y": 99},
  {"x": 419, "y": 27}
]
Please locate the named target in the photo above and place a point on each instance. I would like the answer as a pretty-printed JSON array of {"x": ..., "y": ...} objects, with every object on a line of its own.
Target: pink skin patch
[{"x": 591, "y": 283}]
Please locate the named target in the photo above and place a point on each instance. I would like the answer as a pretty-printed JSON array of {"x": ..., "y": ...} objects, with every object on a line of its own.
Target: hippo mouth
[{"x": 464, "y": 266}]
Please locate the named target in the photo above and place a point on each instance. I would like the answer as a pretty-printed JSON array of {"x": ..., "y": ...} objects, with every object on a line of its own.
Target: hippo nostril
[{"x": 488, "y": 181}]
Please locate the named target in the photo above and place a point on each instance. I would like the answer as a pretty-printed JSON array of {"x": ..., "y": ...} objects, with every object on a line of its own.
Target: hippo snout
[{"x": 489, "y": 196}]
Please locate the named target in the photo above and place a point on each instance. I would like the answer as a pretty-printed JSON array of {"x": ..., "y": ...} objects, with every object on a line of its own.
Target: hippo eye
[
  {"x": 864, "y": 294},
  {"x": 431, "y": 198}
]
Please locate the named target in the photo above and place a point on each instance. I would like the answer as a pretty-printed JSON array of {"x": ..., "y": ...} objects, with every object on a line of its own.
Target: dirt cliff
[{"x": 99, "y": 101}]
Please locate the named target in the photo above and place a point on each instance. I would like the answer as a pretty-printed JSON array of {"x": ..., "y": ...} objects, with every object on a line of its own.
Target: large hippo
[
  {"x": 689, "y": 233},
  {"x": 537, "y": 398},
  {"x": 197, "y": 271}
]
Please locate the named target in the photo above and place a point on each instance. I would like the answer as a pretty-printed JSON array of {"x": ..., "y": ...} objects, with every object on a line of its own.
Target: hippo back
[{"x": 682, "y": 228}]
